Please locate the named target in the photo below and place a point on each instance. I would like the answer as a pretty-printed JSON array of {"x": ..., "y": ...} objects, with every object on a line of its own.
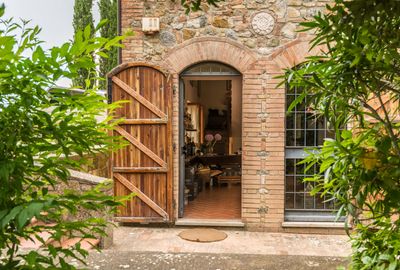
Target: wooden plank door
[{"x": 144, "y": 166}]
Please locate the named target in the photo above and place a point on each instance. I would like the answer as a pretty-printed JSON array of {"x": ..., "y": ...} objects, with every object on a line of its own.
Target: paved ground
[
  {"x": 166, "y": 240},
  {"x": 162, "y": 249}
]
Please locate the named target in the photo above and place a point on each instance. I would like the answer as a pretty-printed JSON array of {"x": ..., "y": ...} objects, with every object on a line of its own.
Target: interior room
[{"x": 213, "y": 145}]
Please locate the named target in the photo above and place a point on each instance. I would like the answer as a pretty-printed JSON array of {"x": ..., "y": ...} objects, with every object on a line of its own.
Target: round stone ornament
[
  {"x": 263, "y": 23},
  {"x": 167, "y": 38}
]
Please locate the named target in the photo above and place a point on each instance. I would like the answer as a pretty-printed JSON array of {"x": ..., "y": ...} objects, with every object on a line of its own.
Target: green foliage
[
  {"x": 108, "y": 14},
  {"x": 43, "y": 129},
  {"x": 83, "y": 18},
  {"x": 355, "y": 83},
  {"x": 195, "y": 5}
]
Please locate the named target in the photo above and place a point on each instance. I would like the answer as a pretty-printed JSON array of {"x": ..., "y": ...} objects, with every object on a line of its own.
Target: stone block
[
  {"x": 289, "y": 30},
  {"x": 293, "y": 12},
  {"x": 220, "y": 22},
  {"x": 230, "y": 34},
  {"x": 188, "y": 34},
  {"x": 198, "y": 22}
]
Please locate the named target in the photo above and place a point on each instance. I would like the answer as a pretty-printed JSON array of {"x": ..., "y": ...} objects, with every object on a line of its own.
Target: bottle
[{"x": 193, "y": 147}]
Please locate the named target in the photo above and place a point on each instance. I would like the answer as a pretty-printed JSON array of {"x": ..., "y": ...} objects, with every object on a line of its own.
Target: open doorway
[{"x": 211, "y": 142}]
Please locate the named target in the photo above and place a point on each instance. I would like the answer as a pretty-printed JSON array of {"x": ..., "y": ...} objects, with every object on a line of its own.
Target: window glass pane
[
  {"x": 310, "y": 138},
  {"x": 320, "y": 137},
  {"x": 330, "y": 204},
  {"x": 309, "y": 201},
  {"x": 210, "y": 68},
  {"x": 319, "y": 201},
  {"x": 290, "y": 166},
  {"x": 320, "y": 123},
  {"x": 330, "y": 134},
  {"x": 300, "y": 120},
  {"x": 300, "y": 107},
  {"x": 289, "y": 183},
  {"x": 290, "y": 121},
  {"x": 289, "y": 90},
  {"x": 299, "y": 184},
  {"x": 299, "y": 201},
  {"x": 290, "y": 138},
  {"x": 289, "y": 201},
  {"x": 308, "y": 186},
  {"x": 300, "y": 137},
  {"x": 312, "y": 170},
  {"x": 310, "y": 121},
  {"x": 299, "y": 167},
  {"x": 289, "y": 100},
  {"x": 299, "y": 90}
]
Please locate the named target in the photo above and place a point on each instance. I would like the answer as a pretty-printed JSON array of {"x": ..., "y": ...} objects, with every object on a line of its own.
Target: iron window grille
[{"x": 303, "y": 129}]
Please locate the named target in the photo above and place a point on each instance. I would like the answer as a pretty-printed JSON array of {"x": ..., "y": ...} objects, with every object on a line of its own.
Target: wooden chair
[{"x": 205, "y": 177}]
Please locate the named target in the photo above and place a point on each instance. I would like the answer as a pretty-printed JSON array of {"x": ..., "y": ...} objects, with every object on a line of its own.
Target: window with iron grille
[{"x": 304, "y": 129}]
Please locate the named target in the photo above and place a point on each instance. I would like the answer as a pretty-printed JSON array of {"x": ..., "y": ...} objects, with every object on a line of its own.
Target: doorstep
[{"x": 210, "y": 222}]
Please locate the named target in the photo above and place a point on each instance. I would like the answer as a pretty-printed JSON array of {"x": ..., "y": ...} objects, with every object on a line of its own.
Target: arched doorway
[{"x": 210, "y": 135}]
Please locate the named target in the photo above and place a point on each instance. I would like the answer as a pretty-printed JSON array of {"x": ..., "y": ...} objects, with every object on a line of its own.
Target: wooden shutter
[{"x": 144, "y": 167}]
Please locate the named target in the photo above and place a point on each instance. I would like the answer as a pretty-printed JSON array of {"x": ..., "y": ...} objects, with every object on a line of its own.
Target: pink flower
[
  {"x": 217, "y": 137},
  {"x": 209, "y": 137}
]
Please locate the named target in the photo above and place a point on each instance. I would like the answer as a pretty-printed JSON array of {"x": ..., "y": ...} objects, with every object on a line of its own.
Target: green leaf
[
  {"x": 2, "y": 9},
  {"x": 393, "y": 265},
  {"x": 385, "y": 257},
  {"x": 346, "y": 134},
  {"x": 101, "y": 24},
  {"x": 10, "y": 216},
  {"x": 297, "y": 101},
  {"x": 87, "y": 32},
  {"x": 33, "y": 209}
]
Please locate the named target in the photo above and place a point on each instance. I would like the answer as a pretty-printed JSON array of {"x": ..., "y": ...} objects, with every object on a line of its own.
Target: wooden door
[{"x": 144, "y": 166}]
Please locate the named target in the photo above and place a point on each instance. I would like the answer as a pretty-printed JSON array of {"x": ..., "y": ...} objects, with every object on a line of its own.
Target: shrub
[{"x": 43, "y": 129}]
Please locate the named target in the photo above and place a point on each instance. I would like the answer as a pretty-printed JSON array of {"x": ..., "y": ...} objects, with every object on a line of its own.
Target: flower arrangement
[{"x": 210, "y": 141}]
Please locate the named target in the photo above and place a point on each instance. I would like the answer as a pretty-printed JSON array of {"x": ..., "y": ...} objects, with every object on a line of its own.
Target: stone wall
[
  {"x": 82, "y": 182},
  {"x": 260, "y": 25},
  {"x": 95, "y": 165},
  {"x": 259, "y": 39}
]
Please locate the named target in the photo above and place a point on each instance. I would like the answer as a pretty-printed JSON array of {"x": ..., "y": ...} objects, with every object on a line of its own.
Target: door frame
[{"x": 181, "y": 136}]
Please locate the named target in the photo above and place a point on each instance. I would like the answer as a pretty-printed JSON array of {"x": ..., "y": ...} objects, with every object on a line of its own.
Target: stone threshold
[
  {"x": 330, "y": 225},
  {"x": 210, "y": 222}
]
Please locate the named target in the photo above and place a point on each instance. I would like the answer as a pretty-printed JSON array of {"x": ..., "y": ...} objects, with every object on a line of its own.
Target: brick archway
[
  {"x": 293, "y": 54},
  {"x": 198, "y": 50},
  {"x": 209, "y": 49}
]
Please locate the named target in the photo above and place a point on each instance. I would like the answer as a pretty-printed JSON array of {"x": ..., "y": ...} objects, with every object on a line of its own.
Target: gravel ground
[{"x": 110, "y": 259}]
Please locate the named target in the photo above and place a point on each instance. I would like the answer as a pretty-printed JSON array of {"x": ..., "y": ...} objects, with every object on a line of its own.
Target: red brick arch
[
  {"x": 209, "y": 49},
  {"x": 293, "y": 53}
]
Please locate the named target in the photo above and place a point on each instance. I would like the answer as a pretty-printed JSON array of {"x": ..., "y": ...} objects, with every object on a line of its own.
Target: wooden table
[
  {"x": 214, "y": 173},
  {"x": 229, "y": 179}
]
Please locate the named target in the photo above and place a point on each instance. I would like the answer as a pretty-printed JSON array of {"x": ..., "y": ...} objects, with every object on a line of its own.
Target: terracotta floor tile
[{"x": 216, "y": 203}]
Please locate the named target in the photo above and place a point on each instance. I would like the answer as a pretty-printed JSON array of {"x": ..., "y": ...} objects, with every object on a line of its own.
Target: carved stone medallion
[
  {"x": 263, "y": 23},
  {"x": 167, "y": 38}
]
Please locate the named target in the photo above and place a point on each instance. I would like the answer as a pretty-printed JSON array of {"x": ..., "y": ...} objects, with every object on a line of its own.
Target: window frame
[{"x": 298, "y": 152}]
